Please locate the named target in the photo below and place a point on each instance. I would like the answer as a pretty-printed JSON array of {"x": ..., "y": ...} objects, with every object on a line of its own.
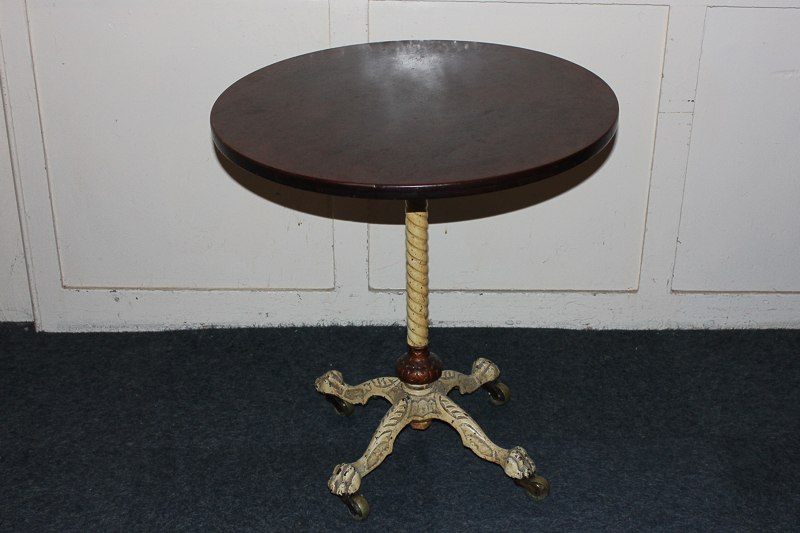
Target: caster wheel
[
  {"x": 499, "y": 393},
  {"x": 343, "y": 408},
  {"x": 357, "y": 505},
  {"x": 536, "y": 487}
]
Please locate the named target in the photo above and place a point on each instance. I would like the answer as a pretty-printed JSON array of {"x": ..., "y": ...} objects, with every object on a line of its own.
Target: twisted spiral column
[{"x": 417, "y": 272}]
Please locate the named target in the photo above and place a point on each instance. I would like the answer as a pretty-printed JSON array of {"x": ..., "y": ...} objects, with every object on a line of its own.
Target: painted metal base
[{"x": 418, "y": 405}]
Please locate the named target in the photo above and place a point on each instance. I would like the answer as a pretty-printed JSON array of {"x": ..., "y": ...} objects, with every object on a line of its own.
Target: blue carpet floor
[{"x": 221, "y": 430}]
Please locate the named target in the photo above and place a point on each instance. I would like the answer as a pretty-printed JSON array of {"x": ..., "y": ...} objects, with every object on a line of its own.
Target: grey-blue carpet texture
[{"x": 222, "y": 430}]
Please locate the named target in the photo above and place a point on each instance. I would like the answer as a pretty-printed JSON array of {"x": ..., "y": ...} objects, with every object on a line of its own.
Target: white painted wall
[
  {"x": 132, "y": 221},
  {"x": 139, "y": 196},
  {"x": 15, "y": 296},
  {"x": 740, "y": 225}
]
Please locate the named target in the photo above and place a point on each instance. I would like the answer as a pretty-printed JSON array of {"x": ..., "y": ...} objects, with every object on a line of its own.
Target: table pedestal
[{"x": 419, "y": 392}]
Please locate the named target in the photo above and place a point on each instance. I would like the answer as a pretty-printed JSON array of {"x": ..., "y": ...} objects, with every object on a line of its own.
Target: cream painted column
[{"x": 417, "y": 272}]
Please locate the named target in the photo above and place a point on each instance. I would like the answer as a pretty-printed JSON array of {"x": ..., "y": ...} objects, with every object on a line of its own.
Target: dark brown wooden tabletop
[{"x": 414, "y": 119}]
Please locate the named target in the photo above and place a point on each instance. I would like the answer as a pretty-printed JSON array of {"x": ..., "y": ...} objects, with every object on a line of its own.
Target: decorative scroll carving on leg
[
  {"x": 383, "y": 439},
  {"x": 515, "y": 462},
  {"x": 346, "y": 478},
  {"x": 483, "y": 371},
  {"x": 333, "y": 383}
]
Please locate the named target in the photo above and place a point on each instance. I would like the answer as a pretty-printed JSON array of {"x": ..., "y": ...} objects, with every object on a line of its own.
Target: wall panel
[
  {"x": 582, "y": 230},
  {"x": 740, "y": 222},
  {"x": 139, "y": 197}
]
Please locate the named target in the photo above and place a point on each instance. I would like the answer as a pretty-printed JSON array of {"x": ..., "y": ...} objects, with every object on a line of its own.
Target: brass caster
[
  {"x": 357, "y": 505},
  {"x": 343, "y": 408},
  {"x": 536, "y": 487},
  {"x": 499, "y": 393}
]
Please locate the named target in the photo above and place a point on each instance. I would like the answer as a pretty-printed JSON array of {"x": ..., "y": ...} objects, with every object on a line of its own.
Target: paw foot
[
  {"x": 519, "y": 465},
  {"x": 344, "y": 480},
  {"x": 485, "y": 371},
  {"x": 331, "y": 382}
]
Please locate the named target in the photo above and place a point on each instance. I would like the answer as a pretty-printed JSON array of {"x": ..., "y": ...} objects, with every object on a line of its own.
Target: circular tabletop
[{"x": 414, "y": 119}]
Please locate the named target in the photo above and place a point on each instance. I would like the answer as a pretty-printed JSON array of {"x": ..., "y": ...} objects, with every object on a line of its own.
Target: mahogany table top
[{"x": 414, "y": 119}]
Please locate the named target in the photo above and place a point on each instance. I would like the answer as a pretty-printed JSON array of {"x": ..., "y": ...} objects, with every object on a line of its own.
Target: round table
[{"x": 416, "y": 120}]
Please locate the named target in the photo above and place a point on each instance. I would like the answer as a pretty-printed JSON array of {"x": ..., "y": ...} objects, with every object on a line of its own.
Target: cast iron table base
[{"x": 419, "y": 392}]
